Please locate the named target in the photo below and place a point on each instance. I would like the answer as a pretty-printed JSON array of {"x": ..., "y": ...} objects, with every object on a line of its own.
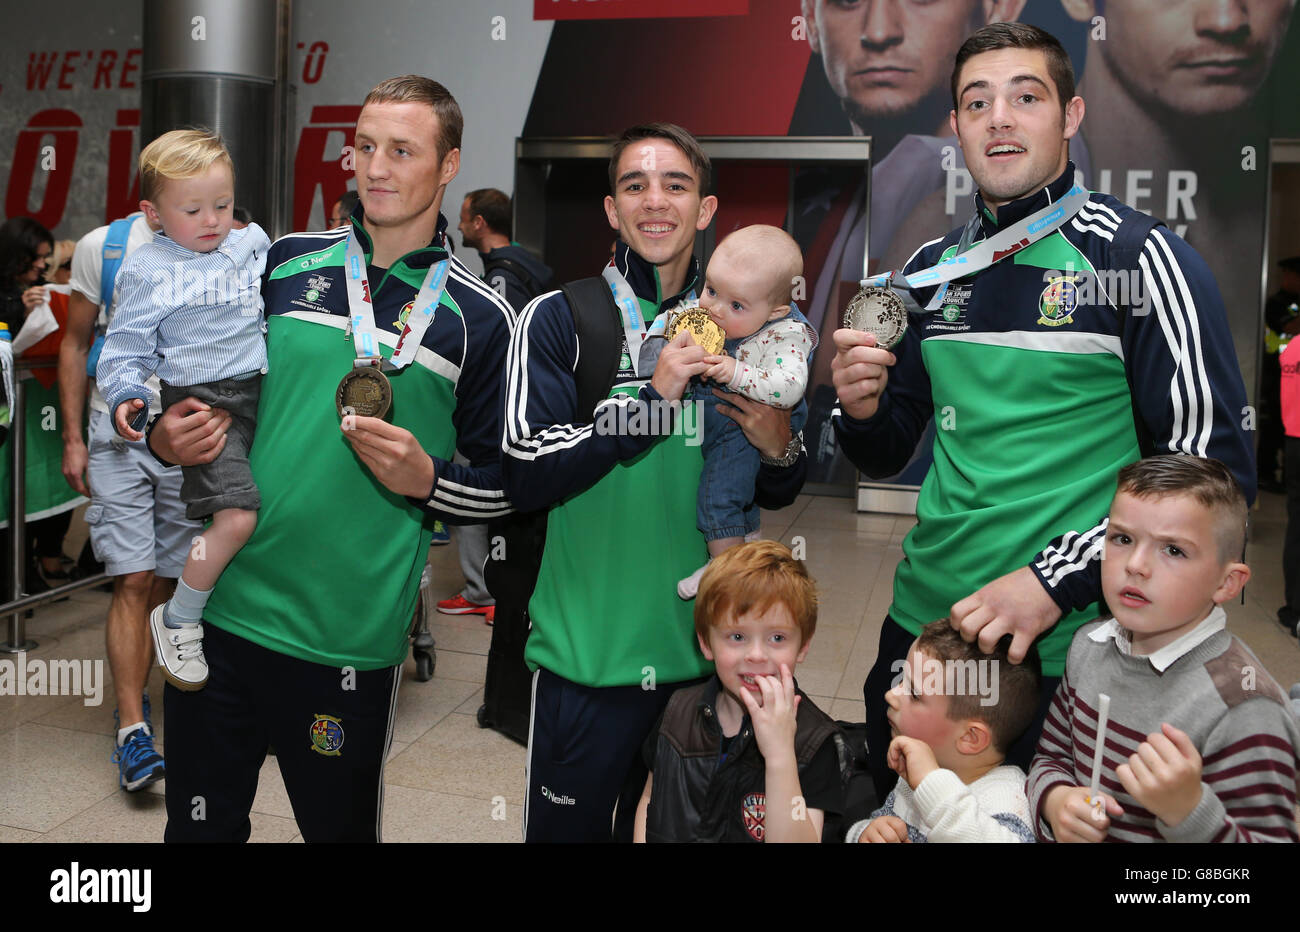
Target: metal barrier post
[{"x": 18, "y": 640}]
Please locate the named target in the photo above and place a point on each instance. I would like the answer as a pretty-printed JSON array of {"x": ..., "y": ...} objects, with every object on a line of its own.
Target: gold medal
[
  {"x": 365, "y": 391},
  {"x": 879, "y": 311},
  {"x": 703, "y": 330}
]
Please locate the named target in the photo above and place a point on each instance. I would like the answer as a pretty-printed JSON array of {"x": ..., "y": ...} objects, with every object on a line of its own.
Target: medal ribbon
[
  {"x": 629, "y": 309},
  {"x": 361, "y": 313},
  {"x": 995, "y": 248}
]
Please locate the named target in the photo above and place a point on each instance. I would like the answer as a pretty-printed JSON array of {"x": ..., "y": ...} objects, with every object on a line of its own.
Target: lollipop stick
[{"x": 1103, "y": 716}]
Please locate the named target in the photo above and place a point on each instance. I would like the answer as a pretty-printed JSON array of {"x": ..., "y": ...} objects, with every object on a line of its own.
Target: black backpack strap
[
  {"x": 531, "y": 285},
  {"x": 600, "y": 339},
  {"x": 1125, "y": 249}
]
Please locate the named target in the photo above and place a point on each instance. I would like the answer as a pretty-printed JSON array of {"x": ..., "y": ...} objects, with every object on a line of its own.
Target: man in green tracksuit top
[
  {"x": 307, "y": 627},
  {"x": 610, "y": 639},
  {"x": 1043, "y": 368}
]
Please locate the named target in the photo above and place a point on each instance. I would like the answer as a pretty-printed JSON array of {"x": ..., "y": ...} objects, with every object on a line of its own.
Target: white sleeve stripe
[
  {"x": 1071, "y": 546},
  {"x": 1087, "y": 557},
  {"x": 1094, "y": 211},
  {"x": 471, "y": 490},
  {"x": 1175, "y": 396},
  {"x": 1200, "y": 389},
  {"x": 1189, "y": 386},
  {"x": 441, "y": 498},
  {"x": 1089, "y": 228},
  {"x": 477, "y": 515},
  {"x": 528, "y": 455},
  {"x": 1102, "y": 208}
]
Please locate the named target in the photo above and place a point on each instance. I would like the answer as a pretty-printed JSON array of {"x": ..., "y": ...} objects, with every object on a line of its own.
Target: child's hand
[
  {"x": 1074, "y": 818},
  {"x": 885, "y": 828},
  {"x": 911, "y": 759},
  {"x": 721, "y": 369},
  {"x": 774, "y": 719},
  {"x": 124, "y": 415},
  {"x": 1164, "y": 775}
]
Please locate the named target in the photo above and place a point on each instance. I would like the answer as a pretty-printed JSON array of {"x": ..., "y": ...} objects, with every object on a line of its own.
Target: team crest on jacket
[
  {"x": 400, "y": 323},
  {"x": 752, "y": 810},
  {"x": 1058, "y": 301},
  {"x": 327, "y": 735}
]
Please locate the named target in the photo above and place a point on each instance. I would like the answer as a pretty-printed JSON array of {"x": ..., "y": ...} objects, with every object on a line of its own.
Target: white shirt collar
[{"x": 1163, "y": 658}]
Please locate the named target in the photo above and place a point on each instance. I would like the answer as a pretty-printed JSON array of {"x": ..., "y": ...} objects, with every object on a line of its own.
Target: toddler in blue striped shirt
[{"x": 189, "y": 306}]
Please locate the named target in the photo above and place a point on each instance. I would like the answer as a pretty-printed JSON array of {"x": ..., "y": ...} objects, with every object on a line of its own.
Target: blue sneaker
[
  {"x": 440, "y": 534},
  {"x": 138, "y": 764}
]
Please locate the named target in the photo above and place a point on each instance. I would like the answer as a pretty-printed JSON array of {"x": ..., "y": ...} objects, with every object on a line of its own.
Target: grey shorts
[
  {"x": 226, "y": 482},
  {"x": 136, "y": 517}
]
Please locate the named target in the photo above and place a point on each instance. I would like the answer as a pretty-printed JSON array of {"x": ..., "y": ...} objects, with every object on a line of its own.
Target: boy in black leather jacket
[{"x": 745, "y": 756}]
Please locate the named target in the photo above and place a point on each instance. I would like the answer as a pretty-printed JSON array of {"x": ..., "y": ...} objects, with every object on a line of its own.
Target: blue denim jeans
[{"x": 725, "y": 507}]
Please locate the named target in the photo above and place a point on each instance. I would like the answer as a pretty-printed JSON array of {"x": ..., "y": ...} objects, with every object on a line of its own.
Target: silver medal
[{"x": 879, "y": 311}]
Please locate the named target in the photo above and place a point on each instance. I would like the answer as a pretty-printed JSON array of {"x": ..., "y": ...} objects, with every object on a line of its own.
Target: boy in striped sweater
[{"x": 1201, "y": 743}]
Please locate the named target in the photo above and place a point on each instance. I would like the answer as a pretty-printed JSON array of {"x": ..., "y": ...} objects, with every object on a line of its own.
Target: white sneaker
[
  {"x": 180, "y": 652},
  {"x": 689, "y": 587}
]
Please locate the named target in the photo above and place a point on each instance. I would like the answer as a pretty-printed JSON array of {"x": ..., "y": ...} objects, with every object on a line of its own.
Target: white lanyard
[
  {"x": 995, "y": 248},
  {"x": 634, "y": 329},
  {"x": 361, "y": 313}
]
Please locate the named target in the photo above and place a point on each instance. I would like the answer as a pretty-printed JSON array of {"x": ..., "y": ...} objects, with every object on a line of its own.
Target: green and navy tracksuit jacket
[
  {"x": 331, "y": 573},
  {"x": 621, "y": 527},
  {"x": 1026, "y": 368}
]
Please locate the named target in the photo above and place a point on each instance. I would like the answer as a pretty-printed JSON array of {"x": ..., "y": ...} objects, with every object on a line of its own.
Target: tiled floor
[{"x": 447, "y": 779}]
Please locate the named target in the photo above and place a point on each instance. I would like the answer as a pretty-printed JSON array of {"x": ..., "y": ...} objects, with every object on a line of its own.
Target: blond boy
[{"x": 190, "y": 307}]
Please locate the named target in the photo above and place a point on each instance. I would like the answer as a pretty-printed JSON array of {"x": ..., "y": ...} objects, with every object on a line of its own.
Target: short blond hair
[
  {"x": 181, "y": 153},
  {"x": 417, "y": 89},
  {"x": 753, "y": 577},
  {"x": 771, "y": 252}
]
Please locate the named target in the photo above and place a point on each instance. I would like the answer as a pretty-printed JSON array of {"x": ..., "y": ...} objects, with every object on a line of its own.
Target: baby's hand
[
  {"x": 1164, "y": 775},
  {"x": 911, "y": 759},
  {"x": 885, "y": 828},
  {"x": 1074, "y": 817},
  {"x": 123, "y": 416},
  {"x": 774, "y": 719},
  {"x": 721, "y": 369}
]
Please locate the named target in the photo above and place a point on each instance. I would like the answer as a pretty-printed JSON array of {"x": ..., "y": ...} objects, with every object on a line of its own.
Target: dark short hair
[
  {"x": 1018, "y": 683},
  {"x": 242, "y": 215},
  {"x": 493, "y": 206},
  {"x": 675, "y": 134},
  {"x": 1207, "y": 480},
  {"x": 996, "y": 36},
  {"x": 415, "y": 88},
  {"x": 348, "y": 202},
  {"x": 20, "y": 241}
]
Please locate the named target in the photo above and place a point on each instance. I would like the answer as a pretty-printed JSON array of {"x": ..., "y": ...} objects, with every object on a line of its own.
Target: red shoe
[
  {"x": 463, "y": 606},
  {"x": 490, "y": 615}
]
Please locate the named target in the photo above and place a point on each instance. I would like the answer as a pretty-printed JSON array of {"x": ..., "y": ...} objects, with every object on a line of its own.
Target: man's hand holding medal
[
  {"x": 695, "y": 343},
  {"x": 391, "y": 453}
]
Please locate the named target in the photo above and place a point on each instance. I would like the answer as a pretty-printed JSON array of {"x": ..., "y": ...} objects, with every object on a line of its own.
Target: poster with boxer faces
[{"x": 1181, "y": 100}]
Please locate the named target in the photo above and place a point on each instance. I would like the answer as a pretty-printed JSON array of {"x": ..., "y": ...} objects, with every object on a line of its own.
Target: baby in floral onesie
[{"x": 747, "y": 290}]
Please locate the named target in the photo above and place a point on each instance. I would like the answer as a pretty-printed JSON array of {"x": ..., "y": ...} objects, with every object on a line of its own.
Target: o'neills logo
[
  {"x": 105, "y": 885},
  {"x": 559, "y": 800}
]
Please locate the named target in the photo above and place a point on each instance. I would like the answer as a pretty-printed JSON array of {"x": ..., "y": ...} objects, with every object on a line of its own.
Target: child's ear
[
  {"x": 779, "y": 312},
  {"x": 975, "y": 738},
  {"x": 1235, "y": 577},
  {"x": 150, "y": 212},
  {"x": 704, "y": 648}
]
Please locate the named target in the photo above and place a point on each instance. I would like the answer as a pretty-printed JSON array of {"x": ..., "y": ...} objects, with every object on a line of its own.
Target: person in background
[{"x": 26, "y": 248}]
